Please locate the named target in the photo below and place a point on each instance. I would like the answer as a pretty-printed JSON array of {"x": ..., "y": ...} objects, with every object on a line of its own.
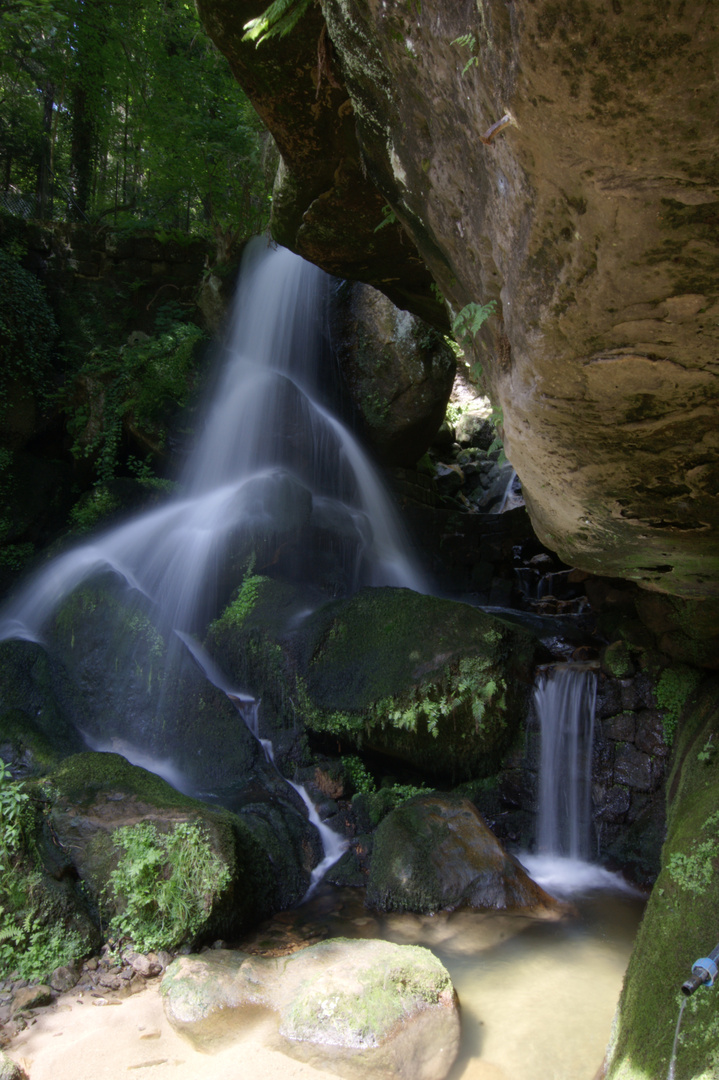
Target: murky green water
[{"x": 537, "y": 997}]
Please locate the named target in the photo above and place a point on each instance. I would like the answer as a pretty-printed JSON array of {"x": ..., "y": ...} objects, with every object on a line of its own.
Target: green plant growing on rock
[
  {"x": 278, "y": 20},
  {"x": 672, "y": 690},
  {"x": 164, "y": 884},
  {"x": 470, "y": 320},
  {"x": 357, "y": 775},
  {"x": 388, "y": 217},
  {"x": 32, "y": 944},
  {"x": 468, "y": 41},
  {"x": 27, "y": 334}
]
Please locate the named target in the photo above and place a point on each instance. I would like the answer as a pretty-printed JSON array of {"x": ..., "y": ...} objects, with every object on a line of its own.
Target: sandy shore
[{"x": 76, "y": 1040}]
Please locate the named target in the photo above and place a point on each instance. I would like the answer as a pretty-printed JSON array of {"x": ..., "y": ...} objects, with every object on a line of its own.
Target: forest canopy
[{"x": 123, "y": 111}]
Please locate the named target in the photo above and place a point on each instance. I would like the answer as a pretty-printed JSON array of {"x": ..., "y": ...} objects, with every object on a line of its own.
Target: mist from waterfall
[{"x": 274, "y": 476}]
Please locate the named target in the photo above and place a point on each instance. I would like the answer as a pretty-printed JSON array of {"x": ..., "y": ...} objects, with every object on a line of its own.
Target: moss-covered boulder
[
  {"x": 436, "y": 683},
  {"x": 134, "y": 689},
  {"x": 435, "y": 852},
  {"x": 681, "y": 922},
  {"x": 36, "y": 731},
  {"x": 362, "y": 1008},
  {"x": 95, "y": 798}
]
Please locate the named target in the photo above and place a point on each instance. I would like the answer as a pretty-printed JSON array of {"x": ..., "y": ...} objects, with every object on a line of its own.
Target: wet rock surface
[
  {"x": 436, "y": 853},
  {"x": 398, "y": 369},
  {"x": 365, "y": 1008},
  {"x": 599, "y": 250}
]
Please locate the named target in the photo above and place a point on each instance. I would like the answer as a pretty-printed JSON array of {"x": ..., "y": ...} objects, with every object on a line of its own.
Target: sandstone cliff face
[{"x": 591, "y": 218}]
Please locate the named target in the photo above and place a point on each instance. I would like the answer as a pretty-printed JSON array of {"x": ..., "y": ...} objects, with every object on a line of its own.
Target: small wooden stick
[{"x": 495, "y": 129}]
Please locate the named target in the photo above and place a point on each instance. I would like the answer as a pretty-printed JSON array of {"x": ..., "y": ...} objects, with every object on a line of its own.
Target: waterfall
[
  {"x": 274, "y": 472},
  {"x": 276, "y": 482},
  {"x": 564, "y": 698}
]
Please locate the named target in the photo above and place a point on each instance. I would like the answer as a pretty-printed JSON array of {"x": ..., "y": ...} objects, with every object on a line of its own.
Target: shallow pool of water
[{"x": 537, "y": 996}]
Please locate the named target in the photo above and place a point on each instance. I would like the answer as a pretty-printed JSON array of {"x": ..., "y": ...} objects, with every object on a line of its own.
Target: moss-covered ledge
[{"x": 681, "y": 922}]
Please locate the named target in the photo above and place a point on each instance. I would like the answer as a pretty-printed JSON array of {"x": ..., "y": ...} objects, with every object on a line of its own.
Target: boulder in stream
[
  {"x": 238, "y": 868},
  {"x": 364, "y": 1008},
  {"x": 434, "y": 852}
]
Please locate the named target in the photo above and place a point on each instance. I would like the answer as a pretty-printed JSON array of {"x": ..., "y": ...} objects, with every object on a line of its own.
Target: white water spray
[
  {"x": 333, "y": 845},
  {"x": 565, "y": 698},
  {"x": 273, "y": 467}
]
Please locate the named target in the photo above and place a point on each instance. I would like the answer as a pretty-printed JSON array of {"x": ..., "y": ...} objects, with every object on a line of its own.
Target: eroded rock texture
[{"x": 591, "y": 218}]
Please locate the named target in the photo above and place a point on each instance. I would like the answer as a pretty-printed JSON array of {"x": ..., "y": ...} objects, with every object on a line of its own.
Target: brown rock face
[
  {"x": 436, "y": 852},
  {"x": 324, "y": 206},
  {"x": 399, "y": 372},
  {"x": 590, "y": 217}
]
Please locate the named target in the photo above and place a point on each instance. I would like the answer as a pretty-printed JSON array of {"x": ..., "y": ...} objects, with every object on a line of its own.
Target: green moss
[
  {"x": 391, "y": 989},
  {"x": 672, "y": 690},
  {"x": 27, "y": 334},
  {"x": 243, "y": 604},
  {"x": 617, "y": 660},
  {"x": 79, "y": 780},
  {"x": 681, "y": 919}
]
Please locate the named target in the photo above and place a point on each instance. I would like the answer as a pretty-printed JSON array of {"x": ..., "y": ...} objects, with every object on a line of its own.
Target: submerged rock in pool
[
  {"x": 435, "y": 852},
  {"x": 360, "y": 1008}
]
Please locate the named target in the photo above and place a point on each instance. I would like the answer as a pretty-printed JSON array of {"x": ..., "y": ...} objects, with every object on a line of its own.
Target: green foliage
[
  {"x": 497, "y": 443},
  {"x": 388, "y": 217},
  {"x": 470, "y": 320},
  {"x": 30, "y": 944},
  {"x": 375, "y": 409},
  {"x": 143, "y": 383},
  {"x": 278, "y": 20},
  {"x": 468, "y": 41},
  {"x": 135, "y": 114},
  {"x": 357, "y": 776},
  {"x": 245, "y": 600},
  {"x": 16, "y": 556},
  {"x": 27, "y": 333},
  {"x": 13, "y": 816},
  {"x": 707, "y": 752},
  {"x": 672, "y": 690},
  {"x": 695, "y": 871},
  {"x": 165, "y": 884},
  {"x": 94, "y": 507},
  {"x": 389, "y": 797}
]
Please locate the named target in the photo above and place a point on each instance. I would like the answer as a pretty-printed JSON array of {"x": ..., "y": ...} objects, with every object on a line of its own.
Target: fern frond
[{"x": 278, "y": 20}]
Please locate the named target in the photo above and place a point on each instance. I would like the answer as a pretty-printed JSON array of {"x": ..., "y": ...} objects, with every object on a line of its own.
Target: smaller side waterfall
[
  {"x": 565, "y": 697},
  {"x": 333, "y": 845}
]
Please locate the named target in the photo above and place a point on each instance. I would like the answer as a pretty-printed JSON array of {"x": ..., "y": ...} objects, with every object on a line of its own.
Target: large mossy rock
[
  {"x": 399, "y": 372},
  {"x": 681, "y": 922},
  {"x": 434, "y": 682},
  {"x": 36, "y": 731},
  {"x": 92, "y": 795},
  {"x": 361, "y": 1008},
  {"x": 129, "y": 687},
  {"x": 435, "y": 853}
]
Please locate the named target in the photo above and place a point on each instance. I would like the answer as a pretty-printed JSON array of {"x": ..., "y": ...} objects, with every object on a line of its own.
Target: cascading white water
[
  {"x": 275, "y": 476},
  {"x": 272, "y": 461},
  {"x": 333, "y": 845},
  {"x": 564, "y": 698}
]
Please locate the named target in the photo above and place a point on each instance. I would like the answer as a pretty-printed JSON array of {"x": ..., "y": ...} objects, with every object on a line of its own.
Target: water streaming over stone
[
  {"x": 564, "y": 698},
  {"x": 277, "y": 482},
  {"x": 275, "y": 473}
]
